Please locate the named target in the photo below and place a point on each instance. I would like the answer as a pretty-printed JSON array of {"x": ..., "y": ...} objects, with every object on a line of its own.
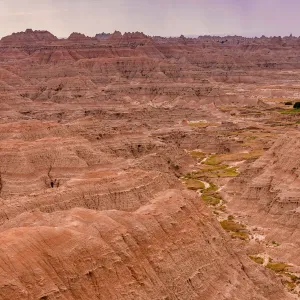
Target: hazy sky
[{"x": 154, "y": 17}]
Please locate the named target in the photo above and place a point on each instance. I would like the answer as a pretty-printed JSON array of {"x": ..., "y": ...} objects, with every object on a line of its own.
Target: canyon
[{"x": 140, "y": 167}]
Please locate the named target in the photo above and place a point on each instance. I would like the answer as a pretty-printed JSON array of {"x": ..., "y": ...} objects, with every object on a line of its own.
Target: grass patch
[
  {"x": 257, "y": 259},
  {"x": 230, "y": 225},
  {"x": 229, "y": 172},
  {"x": 209, "y": 195},
  {"x": 212, "y": 188},
  {"x": 277, "y": 267},
  {"x": 214, "y": 171},
  {"x": 290, "y": 111},
  {"x": 197, "y": 154},
  {"x": 240, "y": 235},
  {"x": 221, "y": 158},
  {"x": 211, "y": 199},
  {"x": 237, "y": 230},
  {"x": 194, "y": 184},
  {"x": 212, "y": 160}
]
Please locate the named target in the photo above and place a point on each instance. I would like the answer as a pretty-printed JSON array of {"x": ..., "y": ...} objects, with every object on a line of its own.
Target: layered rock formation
[
  {"x": 267, "y": 194},
  {"x": 102, "y": 35},
  {"x": 76, "y": 36},
  {"x": 97, "y": 136},
  {"x": 29, "y": 36},
  {"x": 171, "y": 248}
]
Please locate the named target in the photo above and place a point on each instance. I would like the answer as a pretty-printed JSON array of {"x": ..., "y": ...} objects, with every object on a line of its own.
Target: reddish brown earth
[{"x": 125, "y": 159}]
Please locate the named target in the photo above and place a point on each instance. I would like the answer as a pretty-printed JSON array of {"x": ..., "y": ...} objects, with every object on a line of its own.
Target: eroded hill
[{"x": 137, "y": 167}]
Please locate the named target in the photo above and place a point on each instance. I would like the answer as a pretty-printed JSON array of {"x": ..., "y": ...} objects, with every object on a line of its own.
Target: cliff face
[{"x": 268, "y": 192}]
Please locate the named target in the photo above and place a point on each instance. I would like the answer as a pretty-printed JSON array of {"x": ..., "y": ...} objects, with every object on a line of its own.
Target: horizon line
[{"x": 250, "y": 35}]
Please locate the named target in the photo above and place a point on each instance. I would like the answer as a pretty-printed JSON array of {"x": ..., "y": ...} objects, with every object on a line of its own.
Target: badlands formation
[{"x": 137, "y": 167}]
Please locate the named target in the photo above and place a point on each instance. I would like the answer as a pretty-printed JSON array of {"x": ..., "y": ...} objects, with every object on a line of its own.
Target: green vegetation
[
  {"x": 293, "y": 282},
  {"x": 221, "y": 158},
  {"x": 257, "y": 259},
  {"x": 241, "y": 235},
  {"x": 194, "y": 184},
  {"x": 214, "y": 171},
  {"x": 296, "y": 105},
  {"x": 290, "y": 281},
  {"x": 277, "y": 267},
  {"x": 291, "y": 111},
  {"x": 290, "y": 285},
  {"x": 211, "y": 200},
  {"x": 209, "y": 194},
  {"x": 275, "y": 244},
  {"x": 230, "y": 225},
  {"x": 293, "y": 277},
  {"x": 212, "y": 160},
  {"x": 237, "y": 230},
  {"x": 197, "y": 154},
  {"x": 212, "y": 188}
]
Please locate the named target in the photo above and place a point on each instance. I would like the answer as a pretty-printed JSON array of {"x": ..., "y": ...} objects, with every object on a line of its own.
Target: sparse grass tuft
[
  {"x": 290, "y": 111},
  {"x": 257, "y": 259},
  {"x": 275, "y": 243}
]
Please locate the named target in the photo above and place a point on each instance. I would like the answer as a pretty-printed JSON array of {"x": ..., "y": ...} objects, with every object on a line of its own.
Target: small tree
[{"x": 297, "y": 105}]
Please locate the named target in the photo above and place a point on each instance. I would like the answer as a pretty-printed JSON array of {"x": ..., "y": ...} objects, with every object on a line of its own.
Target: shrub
[{"x": 297, "y": 105}]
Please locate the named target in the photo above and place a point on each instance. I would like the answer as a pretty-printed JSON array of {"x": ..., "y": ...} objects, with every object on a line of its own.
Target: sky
[{"x": 153, "y": 17}]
